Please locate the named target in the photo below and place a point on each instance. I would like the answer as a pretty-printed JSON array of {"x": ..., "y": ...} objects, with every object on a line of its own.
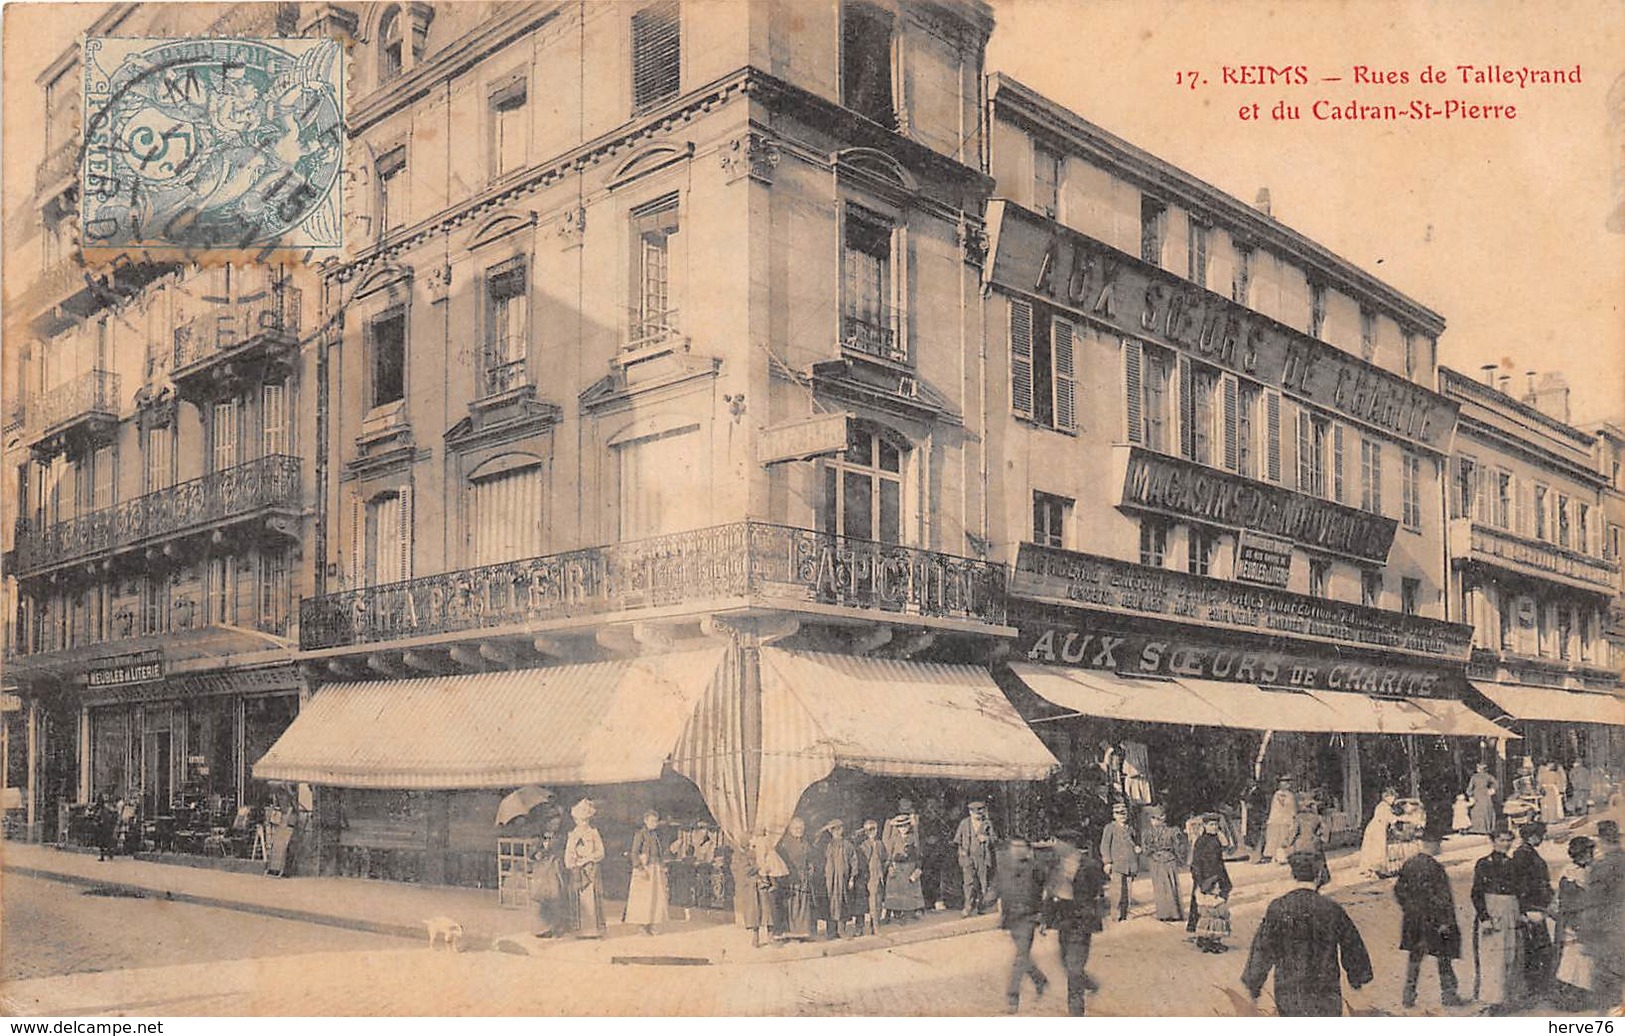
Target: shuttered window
[
  {"x": 1133, "y": 391},
  {"x": 656, "y": 54},
  {"x": 508, "y": 136},
  {"x": 1021, "y": 358},
  {"x": 1272, "y": 434},
  {"x": 866, "y": 62},
  {"x": 506, "y": 513},
  {"x": 387, "y": 538},
  {"x": 223, "y": 436},
  {"x": 1231, "y": 416},
  {"x": 1187, "y": 426},
  {"x": 1411, "y": 491},
  {"x": 1062, "y": 354},
  {"x": 274, "y": 419},
  {"x": 1337, "y": 463},
  {"x": 506, "y": 329},
  {"x": 104, "y": 482},
  {"x": 159, "y": 457},
  {"x": 1371, "y": 476},
  {"x": 654, "y": 316}
]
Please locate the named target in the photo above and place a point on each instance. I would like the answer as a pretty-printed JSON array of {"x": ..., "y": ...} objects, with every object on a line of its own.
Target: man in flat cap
[{"x": 974, "y": 842}]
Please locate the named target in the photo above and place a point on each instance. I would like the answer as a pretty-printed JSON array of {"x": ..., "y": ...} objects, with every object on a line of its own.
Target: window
[
  {"x": 1153, "y": 213},
  {"x": 388, "y": 345},
  {"x": 388, "y": 538},
  {"x": 1543, "y": 629},
  {"x": 868, "y": 319},
  {"x": 1241, "y": 280},
  {"x": 154, "y": 604},
  {"x": 1565, "y": 629},
  {"x": 1368, "y": 333},
  {"x": 1247, "y": 396},
  {"x": 1041, "y": 356},
  {"x": 223, "y": 450},
  {"x": 1410, "y": 595},
  {"x": 159, "y": 458},
  {"x": 662, "y": 486},
  {"x": 1467, "y": 487},
  {"x": 1371, "y": 476},
  {"x": 1320, "y": 578},
  {"x": 391, "y": 189},
  {"x": 863, "y": 488},
  {"x": 1159, "y": 375},
  {"x": 275, "y": 606},
  {"x": 1502, "y": 517},
  {"x": 1049, "y": 519},
  {"x": 1411, "y": 491},
  {"x": 656, "y": 54},
  {"x": 1582, "y": 528},
  {"x": 1371, "y": 588},
  {"x": 1410, "y": 355},
  {"x": 1200, "y": 546},
  {"x": 508, "y": 126},
  {"x": 1542, "y": 519},
  {"x": 104, "y": 481},
  {"x": 1196, "y": 253},
  {"x": 1507, "y": 621},
  {"x": 391, "y": 51},
  {"x": 1313, "y": 434},
  {"x": 653, "y": 314},
  {"x": 506, "y": 515},
  {"x": 1199, "y": 386},
  {"x": 1047, "y": 167},
  {"x": 866, "y": 62},
  {"x": 1153, "y": 542},
  {"x": 274, "y": 426},
  {"x": 1317, "y": 309},
  {"x": 1562, "y": 520},
  {"x": 1610, "y": 547},
  {"x": 221, "y": 601},
  {"x": 507, "y": 332}
]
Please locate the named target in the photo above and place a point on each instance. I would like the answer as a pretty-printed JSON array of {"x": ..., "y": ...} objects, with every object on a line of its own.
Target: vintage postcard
[{"x": 834, "y": 507}]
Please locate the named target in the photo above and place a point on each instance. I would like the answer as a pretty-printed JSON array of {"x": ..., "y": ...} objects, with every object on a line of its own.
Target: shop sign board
[
  {"x": 1131, "y": 653},
  {"x": 819, "y": 436},
  {"x": 1038, "y": 256},
  {"x": 123, "y": 670},
  {"x": 1088, "y": 580},
  {"x": 1264, "y": 560}
]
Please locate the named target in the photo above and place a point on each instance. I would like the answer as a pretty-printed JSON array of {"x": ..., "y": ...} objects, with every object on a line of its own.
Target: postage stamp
[{"x": 202, "y": 145}]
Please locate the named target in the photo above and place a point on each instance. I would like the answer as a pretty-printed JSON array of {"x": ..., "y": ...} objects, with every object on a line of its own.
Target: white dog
[{"x": 444, "y": 930}]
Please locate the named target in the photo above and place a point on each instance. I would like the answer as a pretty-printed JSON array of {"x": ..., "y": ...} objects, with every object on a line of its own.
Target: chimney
[
  {"x": 1487, "y": 372},
  {"x": 1551, "y": 395},
  {"x": 1503, "y": 382},
  {"x": 1529, "y": 392},
  {"x": 1262, "y": 201}
]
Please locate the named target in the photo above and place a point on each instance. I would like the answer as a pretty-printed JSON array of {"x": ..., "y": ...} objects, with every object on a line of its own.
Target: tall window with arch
[
  {"x": 863, "y": 487},
  {"x": 505, "y": 510}
]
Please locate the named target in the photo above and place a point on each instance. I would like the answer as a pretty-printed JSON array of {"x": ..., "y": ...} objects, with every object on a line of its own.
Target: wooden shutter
[
  {"x": 656, "y": 53},
  {"x": 358, "y": 540},
  {"x": 405, "y": 511},
  {"x": 1231, "y": 402},
  {"x": 1376, "y": 478},
  {"x": 1272, "y": 434},
  {"x": 1021, "y": 358},
  {"x": 1063, "y": 340},
  {"x": 1481, "y": 495},
  {"x": 1305, "y": 447},
  {"x": 1185, "y": 407},
  {"x": 1337, "y": 462},
  {"x": 1133, "y": 392}
]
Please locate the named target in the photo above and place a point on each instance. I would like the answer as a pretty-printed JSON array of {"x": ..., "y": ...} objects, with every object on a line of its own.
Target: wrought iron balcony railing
[
  {"x": 771, "y": 565},
  {"x": 94, "y": 393},
  {"x": 59, "y": 165},
  {"x": 646, "y": 329},
  {"x": 872, "y": 334},
  {"x": 226, "y": 328},
  {"x": 234, "y": 493},
  {"x": 505, "y": 366},
  {"x": 1476, "y": 540}
]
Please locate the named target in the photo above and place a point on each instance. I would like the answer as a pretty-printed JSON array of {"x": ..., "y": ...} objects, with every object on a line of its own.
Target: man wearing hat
[
  {"x": 841, "y": 870},
  {"x": 1428, "y": 925},
  {"x": 974, "y": 842},
  {"x": 1606, "y": 919},
  {"x": 1021, "y": 899},
  {"x": 1120, "y": 853},
  {"x": 1305, "y": 937},
  {"x": 1495, "y": 921},
  {"x": 1534, "y": 884},
  {"x": 1072, "y": 904}
]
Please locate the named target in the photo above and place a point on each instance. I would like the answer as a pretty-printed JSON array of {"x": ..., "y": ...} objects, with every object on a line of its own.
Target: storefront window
[
  {"x": 210, "y": 771},
  {"x": 264, "y": 720},
  {"x": 16, "y": 749},
  {"x": 110, "y": 752}
]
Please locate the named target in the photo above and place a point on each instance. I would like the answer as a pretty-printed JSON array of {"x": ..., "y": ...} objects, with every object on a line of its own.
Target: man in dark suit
[
  {"x": 1072, "y": 905},
  {"x": 1606, "y": 880},
  {"x": 1428, "y": 926},
  {"x": 1305, "y": 938},
  {"x": 973, "y": 842},
  {"x": 1021, "y": 898},
  {"x": 1534, "y": 884},
  {"x": 1120, "y": 853}
]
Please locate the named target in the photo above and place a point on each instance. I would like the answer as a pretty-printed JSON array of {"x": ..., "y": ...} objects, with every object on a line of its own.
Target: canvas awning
[
  {"x": 1096, "y": 693},
  {"x": 1522, "y": 701},
  {"x": 1364, "y": 714},
  {"x": 593, "y": 723}
]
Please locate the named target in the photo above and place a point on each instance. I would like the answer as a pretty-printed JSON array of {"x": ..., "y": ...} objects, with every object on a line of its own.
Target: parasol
[{"x": 522, "y": 801}]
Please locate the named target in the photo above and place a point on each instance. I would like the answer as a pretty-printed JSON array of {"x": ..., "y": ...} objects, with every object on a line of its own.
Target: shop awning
[
  {"x": 897, "y": 718},
  {"x": 1265, "y": 708},
  {"x": 1522, "y": 701},
  {"x": 1364, "y": 714},
  {"x": 594, "y": 723},
  {"x": 1097, "y": 693}
]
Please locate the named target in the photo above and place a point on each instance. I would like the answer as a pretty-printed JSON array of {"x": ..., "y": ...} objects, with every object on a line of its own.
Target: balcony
[
  {"x": 231, "y": 341},
  {"x": 873, "y": 335},
  {"x": 741, "y": 565},
  {"x": 58, "y": 168},
  {"x": 1475, "y": 542},
  {"x": 260, "y": 487},
  {"x": 647, "y": 330},
  {"x": 85, "y": 406}
]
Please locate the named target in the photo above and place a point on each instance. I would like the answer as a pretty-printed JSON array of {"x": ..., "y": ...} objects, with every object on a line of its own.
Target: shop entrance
[{"x": 155, "y": 784}]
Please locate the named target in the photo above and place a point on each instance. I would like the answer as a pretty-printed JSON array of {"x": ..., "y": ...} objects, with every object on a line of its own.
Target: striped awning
[
  {"x": 593, "y": 723},
  {"x": 1086, "y": 692},
  {"x": 1551, "y": 704},
  {"x": 1364, "y": 714}
]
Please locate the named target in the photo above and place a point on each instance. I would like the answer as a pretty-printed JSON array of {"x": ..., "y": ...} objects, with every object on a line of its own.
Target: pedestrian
[
  {"x": 1580, "y": 788},
  {"x": 1309, "y": 834},
  {"x": 106, "y": 817},
  {"x": 646, "y": 897},
  {"x": 1211, "y": 907},
  {"x": 1278, "y": 828},
  {"x": 904, "y": 896},
  {"x": 1495, "y": 921},
  {"x": 1461, "y": 816},
  {"x": 1021, "y": 898},
  {"x": 973, "y": 841},
  {"x": 1605, "y": 882},
  {"x": 583, "y": 858},
  {"x": 1120, "y": 853},
  {"x": 1534, "y": 900},
  {"x": 841, "y": 871},
  {"x": 766, "y": 870},
  {"x": 1073, "y": 895},
  {"x": 546, "y": 885},
  {"x": 1162, "y": 845},
  {"x": 1574, "y": 974},
  {"x": 1481, "y": 792},
  {"x": 1207, "y": 870},
  {"x": 800, "y": 923},
  {"x": 872, "y": 858},
  {"x": 1428, "y": 925},
  {"x": 1374, "y": 844},
  {"x": 1305, "y": 937}
]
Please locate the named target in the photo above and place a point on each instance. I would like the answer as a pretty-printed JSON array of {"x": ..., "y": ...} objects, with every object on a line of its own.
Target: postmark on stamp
[{"x": 202, "y": 145}]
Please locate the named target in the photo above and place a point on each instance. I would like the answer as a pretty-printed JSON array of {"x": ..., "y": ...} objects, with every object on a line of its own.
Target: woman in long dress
[
  {"x": 1162, "y": 845},
  {"x": 1552, "y": 784},
  {"x": 1574, "y": 963},
  {"x": 1374, "y": 846},
  {"x": 583, "y": 856},
  {"x": 1278, "y": 828},
  {"x": 646, "y": 898},
  {"x": 903, "y": 863},
  {"x": 1481, "y": 789},
  {"x": 800, "y": 920},
  {"x": 546, "y": 887}
]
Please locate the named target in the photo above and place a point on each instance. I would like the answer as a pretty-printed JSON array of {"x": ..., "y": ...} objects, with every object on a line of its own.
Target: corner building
[
  {"x": 1216, "y": 465},
  {"x": 647, "y": 428}
]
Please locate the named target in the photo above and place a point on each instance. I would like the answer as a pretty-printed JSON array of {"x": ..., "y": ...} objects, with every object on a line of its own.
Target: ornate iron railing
[
  {"x": 646, "y": 329},
  {"x": 225, "y": 328},
  {"x": 506, "y": 367},
  {"x": 60, "y": 164},
  {"x": 94, "y": 392},
  {"x": 774, "y": 565},
  {"x": 1487, "y": 541},
  {"x": 872, "y": 335},
  {"x": 233, "y": 493}
]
